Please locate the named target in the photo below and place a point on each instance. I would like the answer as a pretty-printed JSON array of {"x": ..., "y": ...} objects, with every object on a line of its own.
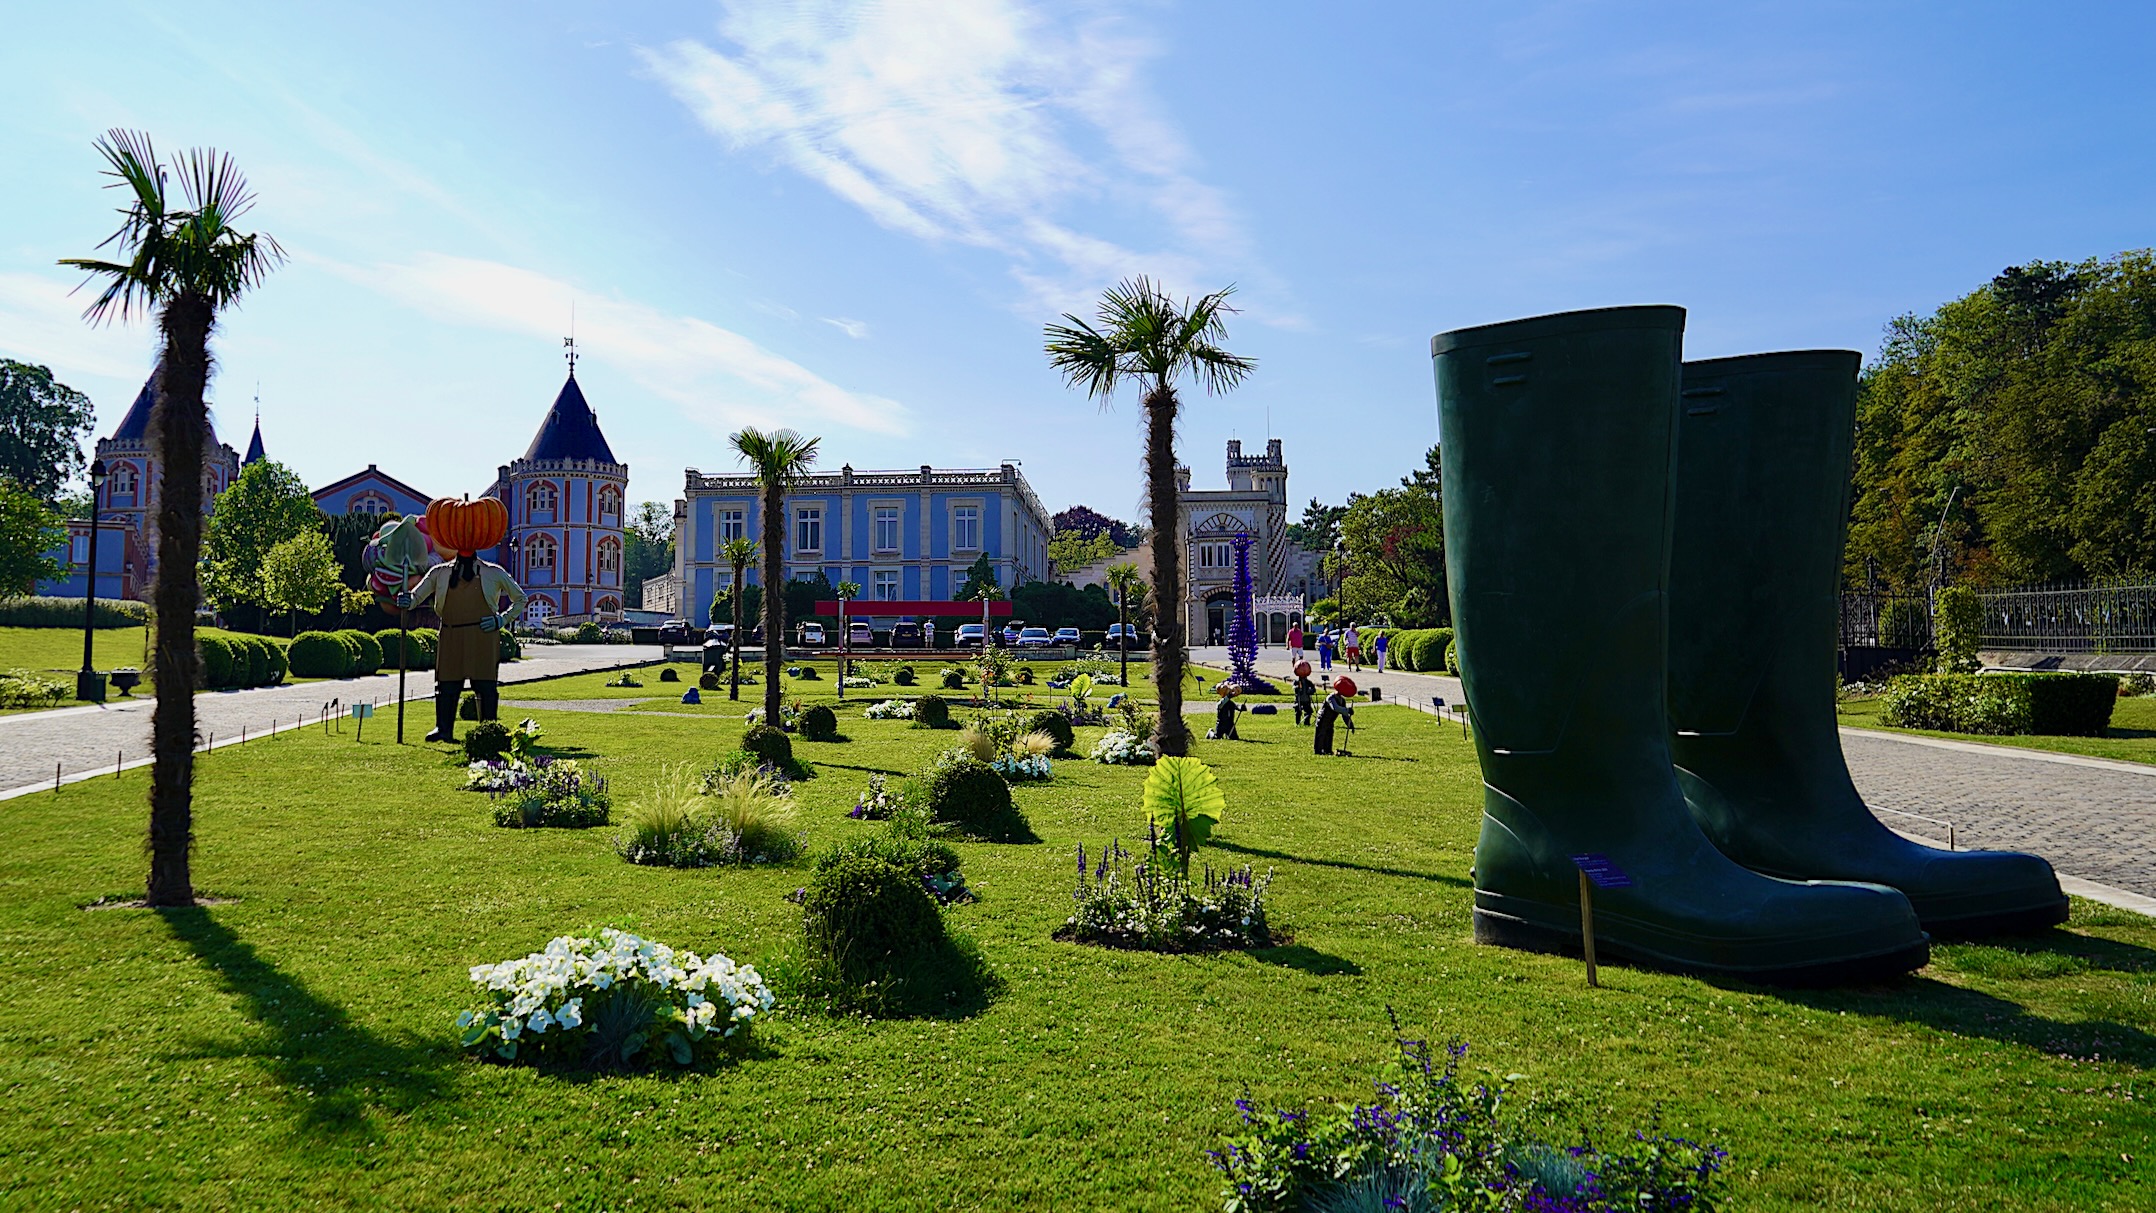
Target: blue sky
[{"x": 854, "y": 218}]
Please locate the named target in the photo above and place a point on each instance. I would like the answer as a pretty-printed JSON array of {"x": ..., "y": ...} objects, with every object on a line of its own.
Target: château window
[
  {"x": 1215, "y": 555},
  {"x": 609, "y": 556},
  {"x": 539, "y": 609},
  {"x": 609, "y": 502},
  {"x": 808, "y": 529},
  {"x": 540, "y": 497},
  {"x": 539, "y": 554},
  {"x": 370, "y": 503},
  {"x": 733, "y": 524},
  {"x": 886, "y": 528},
  {"x": 122, "y": 481},
  {"x": 887, "y": 585},
  {"x": 966, "y": 528}
]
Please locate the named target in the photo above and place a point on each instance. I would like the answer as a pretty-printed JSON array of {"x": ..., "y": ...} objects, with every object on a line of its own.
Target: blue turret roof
[
  {"x": 254, "y": 445},
  {"x": 135, "y": 426},
  {"x": 571, "y": 430}
]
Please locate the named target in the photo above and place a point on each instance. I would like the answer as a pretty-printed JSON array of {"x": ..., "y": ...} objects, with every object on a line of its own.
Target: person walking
[
  {"x": 1379, "y": 645},
  {"x": 1295, "y": 639},
  {"x": 1306, "y": 693},
  {"x": 1325, "y": 649},
  {"x": 1351, "y": 640},
  {"x": 1337, "y": 708}
]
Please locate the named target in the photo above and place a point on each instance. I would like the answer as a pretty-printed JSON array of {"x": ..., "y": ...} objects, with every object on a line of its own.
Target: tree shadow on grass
[
  {"x": 1283, "y": 856},
  {"x": 847, "y": 766},
  {"x": 1308, "y": 960},
  {"x": 1961, "y": 1011},
  {"x": 331, "y": 1068}
]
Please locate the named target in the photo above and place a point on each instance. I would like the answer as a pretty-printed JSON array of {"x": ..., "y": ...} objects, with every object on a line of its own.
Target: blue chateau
[{"x": 904, "y": 536}]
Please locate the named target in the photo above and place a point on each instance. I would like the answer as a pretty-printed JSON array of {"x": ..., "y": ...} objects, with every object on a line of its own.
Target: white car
[{"x": 812, "y": 636}]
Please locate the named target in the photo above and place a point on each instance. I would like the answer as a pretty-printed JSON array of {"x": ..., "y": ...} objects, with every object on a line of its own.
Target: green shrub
[
  {"x": 218, "y": 662},
  {"x": 366, "y": 654},
  {"x": 903, "y": 676},
  {"x": 806, "y": 673},
  {"x": 1056, "y": 725},
  {"x": 931, "y": 862},
  {"x": 588, "y": 632},
  {"x": 278, "y": 665},
  {"x": 669, "y": 674},
  {"x": 419, "y": 645},
  {"x": 318, "y": 655},
  {"x": 819, "y": 723},
  {"x": 864, "y": 916},
  {"x": 931, "y": 712},
  {"x": 486, "y": 741},
  {"x": 507, "y": 647},
  {"x": 770, "y": 744},
  {"x": 251, "y": 661},
  {"x": 2138, "y": 682},
  {"x": 47, "y": 612},
  {"x": 953, "y": 678},
  {"x": 1432, "y": 647},
  {"x": 709, "y": 681},
  {"x": 23, "y": 689},
  {"x": 967, "y": 793},
  {"x": 2069, "y": 705},
  {"x": 1452, "y": 657},
  {"x": 1957, "y": 629}
]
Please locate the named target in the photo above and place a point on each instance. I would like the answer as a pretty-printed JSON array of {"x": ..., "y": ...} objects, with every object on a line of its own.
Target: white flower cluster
[
  {"x": 1120, "y": 748},
  {"x": 1023, "y": 768},
  {"x": 853, "y": 682},
  {"x": 890, "y": 709},
  {"x": 551, "y": 995}
]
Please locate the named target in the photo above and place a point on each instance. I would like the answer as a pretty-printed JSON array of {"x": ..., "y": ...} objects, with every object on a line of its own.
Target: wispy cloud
[
  {"x": 41, "y": 322},
  {"x": 991, "y": 123},
  {"x": 718, "y": 377},
  {"x": 852, "y": 328}
]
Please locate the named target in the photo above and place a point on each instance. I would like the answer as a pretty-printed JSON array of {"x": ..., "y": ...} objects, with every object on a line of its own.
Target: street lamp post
[{"x": 89, "y": 684}]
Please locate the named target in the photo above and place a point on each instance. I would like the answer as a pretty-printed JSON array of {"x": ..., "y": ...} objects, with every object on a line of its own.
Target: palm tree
[
  {"x": 1145, "y": 335},
  {"x": 186, "y": 264},
  {"x": 779, "y": 459},
  {"x": 738, "y": 553},
  {"x": 1124, "y": 580}
]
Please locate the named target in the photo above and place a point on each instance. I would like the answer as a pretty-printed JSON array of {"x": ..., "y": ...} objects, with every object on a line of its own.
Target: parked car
[
  {"x": 969, "y": 636},
  {"x": 859, "y": 635},
  {"x": 674, "y": 631},
  {"x": 812, "y": 636},
  {"x": 1116, "y": 632},
  {"x": 1033, "y": 638},
  {"x": 1066, "y": 636},
  {"x": 1012, "y": 629},
  {"x": 913, "y": 635}
]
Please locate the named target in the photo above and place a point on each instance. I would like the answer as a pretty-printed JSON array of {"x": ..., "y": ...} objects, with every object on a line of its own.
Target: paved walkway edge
[{"x": 2007, "y": 751}]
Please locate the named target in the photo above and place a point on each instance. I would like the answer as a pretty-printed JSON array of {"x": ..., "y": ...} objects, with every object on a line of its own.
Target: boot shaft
[{"x": 1762, "y": 492}]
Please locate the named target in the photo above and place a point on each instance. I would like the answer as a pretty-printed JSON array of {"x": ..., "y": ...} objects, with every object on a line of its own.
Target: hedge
[
  {"x": 419, "y": 647},
  {"x": 44, "y": 611},
  {"x": 2056, "y": 705},
  {"x": 217, "y": 661},
  {"x": 366, "y": 653},
  {"x": 319, "y": 655}
]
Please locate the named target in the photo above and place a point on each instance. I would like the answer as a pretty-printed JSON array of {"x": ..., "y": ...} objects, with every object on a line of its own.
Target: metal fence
[
  {"x": 2087, "y": 618},
  {"x": 1886, "y": 621}
]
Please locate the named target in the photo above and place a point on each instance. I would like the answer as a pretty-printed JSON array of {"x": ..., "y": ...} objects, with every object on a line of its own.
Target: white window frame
[
  {"x": 532, "y": 549},
  {"x": 123, "y": 480},
  {"x": 808, "y": 524},
  {"x": 880, "y": 512},
  {"x": 885, "y": 578},
  {"x": 733, "y": 524},
  {"x": 979, "y": 521},
  {"x": 609, "y": 501},
  {"x": 610, "y": 555},
  {"x": 532, "y": 494}
]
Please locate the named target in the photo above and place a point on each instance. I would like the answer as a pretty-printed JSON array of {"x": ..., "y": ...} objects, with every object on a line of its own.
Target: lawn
[
  {"x": 2132, "y": 737},
  {"x": 296, "y": 1047},
  {"x": 58, "y": 651}
]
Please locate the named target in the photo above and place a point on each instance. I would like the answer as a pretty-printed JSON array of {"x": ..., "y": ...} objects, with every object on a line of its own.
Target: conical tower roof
[
  {"x": 135, "y": 426},
  {"x": 571, "y": 430},
  {"x": 254, "y": 444}
]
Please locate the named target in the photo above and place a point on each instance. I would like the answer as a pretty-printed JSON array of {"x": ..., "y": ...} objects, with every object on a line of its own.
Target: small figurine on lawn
[
  {"x": 467, "y": 593},
  {"x": 1338, "y": 706},
  {"x": 1224, "y": 716},
  {"x": 1306, "y": 694}
]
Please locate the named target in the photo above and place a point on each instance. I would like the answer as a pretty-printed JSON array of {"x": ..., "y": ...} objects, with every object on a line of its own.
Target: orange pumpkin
[{"x": 464, "y": 526}]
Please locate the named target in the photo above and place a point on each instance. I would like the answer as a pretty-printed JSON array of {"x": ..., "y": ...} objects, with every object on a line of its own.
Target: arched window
[
  {"x": 539, "y": 609},
  {"x": 609, "y": 501},
  {"x": 540, "y": 497},
  {"x": 371, "y": 503},
  {"x": 539, "y": 554},
  {"x": 609, "y": 556},
  {"x": 609, "y": 605},
  {"x": 122, "y": 481}
]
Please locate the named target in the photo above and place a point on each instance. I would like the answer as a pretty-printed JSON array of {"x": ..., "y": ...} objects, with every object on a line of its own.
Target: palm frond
[
  {"x": 781, "y": 456},
  {"x": 1085, "y": 357}
]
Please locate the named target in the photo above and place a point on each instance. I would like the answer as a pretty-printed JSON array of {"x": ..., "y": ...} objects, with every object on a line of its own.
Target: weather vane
[{"x": 570, "y": 344}]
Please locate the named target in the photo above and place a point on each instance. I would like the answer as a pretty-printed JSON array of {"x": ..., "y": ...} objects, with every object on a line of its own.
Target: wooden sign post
[{"x": 1596, "y": 872}]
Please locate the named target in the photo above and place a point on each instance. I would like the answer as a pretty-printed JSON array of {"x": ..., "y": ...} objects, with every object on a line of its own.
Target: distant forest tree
[
  {"x": 2010, "y": 436},
  {"x": 1090, "y": 522},
  {"x": 649, "y": 551}
]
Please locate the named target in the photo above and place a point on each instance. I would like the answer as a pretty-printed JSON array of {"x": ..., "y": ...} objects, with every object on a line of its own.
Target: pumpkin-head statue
[{"x": 459, "y": 526}]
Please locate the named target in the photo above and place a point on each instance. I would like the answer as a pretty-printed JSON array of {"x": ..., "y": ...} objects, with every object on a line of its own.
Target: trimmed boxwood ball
[
  {"x": 819, "y": 723},
  {"x": 217, "y": 661},
  {"x": 969, "y": 794},
  {"x": 953, "y": 679},
  {"x": 769, "y": 744},
  {"x": 931, "y": 712},
  {"x": 669, "y": 674},
  {"x": 318, "y": 655},
  {"x": 807, "y": 673},
  {"x": 1056, "y": 725},
  {"x": 903, "y": 676},
  {"x": 863, "y": 914},
  {"x": 255, "y": 671},
  {"x": 486, "y": 741},
  {"x": 709, "y": 681}
]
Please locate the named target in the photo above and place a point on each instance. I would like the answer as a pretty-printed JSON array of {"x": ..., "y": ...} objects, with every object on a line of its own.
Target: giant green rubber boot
[
  {"x": 1559, "y": 439},
  {"x": 1762, "y": 512}
]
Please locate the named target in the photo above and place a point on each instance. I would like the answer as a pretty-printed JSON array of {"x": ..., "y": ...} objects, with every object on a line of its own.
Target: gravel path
[{"x": 93, "y": 737}]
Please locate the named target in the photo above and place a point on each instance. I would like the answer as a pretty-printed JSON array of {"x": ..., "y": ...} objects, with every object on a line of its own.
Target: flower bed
[
  {"x": 508, "y": 774},
  {"x": 1118, "y": 748},
  {"x": 559, "y": 795},
  {"x": 877, "y": 802},
  {"x": 889, "y": 709},
  {"x": 1024, "y": 768},
  {"x": 611, "y": 1003},
  {"x": 1149, "y": 904}
]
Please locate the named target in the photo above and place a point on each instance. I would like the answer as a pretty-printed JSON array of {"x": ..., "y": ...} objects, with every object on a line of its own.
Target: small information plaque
[{"x": 1599, "y": 869}]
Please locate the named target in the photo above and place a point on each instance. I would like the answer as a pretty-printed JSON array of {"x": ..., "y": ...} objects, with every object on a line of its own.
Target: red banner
[{"x": 870, "y": 608}]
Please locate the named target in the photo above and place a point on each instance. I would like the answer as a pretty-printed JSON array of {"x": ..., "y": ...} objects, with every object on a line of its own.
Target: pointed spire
[
  {"x": 571, "y": 429},
  {"x": 135, "y": 425},
  {"x": 254, "y": 444}
]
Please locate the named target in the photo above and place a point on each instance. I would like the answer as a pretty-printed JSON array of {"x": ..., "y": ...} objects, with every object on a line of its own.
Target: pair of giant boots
[{"x": 1644, "y": 557}]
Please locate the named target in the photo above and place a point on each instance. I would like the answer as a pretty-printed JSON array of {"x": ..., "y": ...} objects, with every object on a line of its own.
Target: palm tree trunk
[
  {"x": 774, "y": 599},
  {"x": 179, "y": 421},
  {"x": 733, "y": 660},
  {"x": 1171, "y": 735}
]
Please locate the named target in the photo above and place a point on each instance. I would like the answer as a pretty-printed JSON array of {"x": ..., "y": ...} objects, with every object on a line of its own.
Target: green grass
[
  {"x": 296, "y": 1048},
  {"x": 59, "y": 650},
  {"x": 2132, "y": 736}
]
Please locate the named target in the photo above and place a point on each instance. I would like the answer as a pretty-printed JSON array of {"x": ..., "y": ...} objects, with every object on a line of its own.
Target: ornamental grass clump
[
  {"x": 615, "y": 1003},
  {"x": 559, "y": 795},
  {"x": 1434, "y": 1140},
  {"x": 747, "y": 819}
]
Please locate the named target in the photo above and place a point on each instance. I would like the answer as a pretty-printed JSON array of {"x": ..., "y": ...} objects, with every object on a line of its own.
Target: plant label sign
[
  {"x": 1599, "y": 869},
  {"x": 362, "y": 711}
]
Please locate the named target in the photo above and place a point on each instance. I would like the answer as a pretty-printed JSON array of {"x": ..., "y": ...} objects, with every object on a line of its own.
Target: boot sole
[
  {"x": 2011, "y": 922},
  {"x": 1507, "y": 931}
]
